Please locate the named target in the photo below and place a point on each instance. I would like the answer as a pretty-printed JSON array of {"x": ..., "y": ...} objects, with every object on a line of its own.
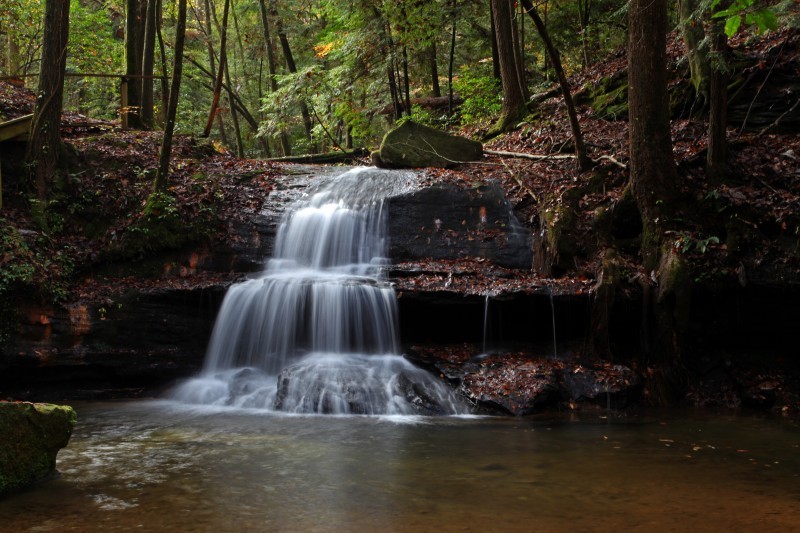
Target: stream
[{"x": 159, "y": 465}]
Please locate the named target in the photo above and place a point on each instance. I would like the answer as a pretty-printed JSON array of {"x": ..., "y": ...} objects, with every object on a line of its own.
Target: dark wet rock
[
  {"x": 361, "y": 385},
  {"x": 30, "y": 437},
  {"x": 448, "y": 222},
  {"x": 413, "y": 145},
  {"x": 614, "y": 386},
  {"x": 516, "y": 385},
  {"x": 125, "y": 346}
]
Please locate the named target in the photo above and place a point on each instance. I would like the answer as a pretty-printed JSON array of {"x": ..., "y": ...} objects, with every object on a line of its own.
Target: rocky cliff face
[
  {"x": 135, "y": 342},
  {"x": 30, "y": 437}
]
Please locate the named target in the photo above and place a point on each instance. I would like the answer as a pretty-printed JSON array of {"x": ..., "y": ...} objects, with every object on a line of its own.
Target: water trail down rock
[{"x": 317, "y": 330}]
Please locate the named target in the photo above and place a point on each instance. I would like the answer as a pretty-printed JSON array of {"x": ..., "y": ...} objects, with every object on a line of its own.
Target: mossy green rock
[
  {"x": 413, "y": 145},
  {"x": 30, "y": 436}
]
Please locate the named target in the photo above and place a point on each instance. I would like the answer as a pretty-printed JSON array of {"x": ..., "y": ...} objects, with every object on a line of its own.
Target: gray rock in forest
[{"x": 413, "y": 145}]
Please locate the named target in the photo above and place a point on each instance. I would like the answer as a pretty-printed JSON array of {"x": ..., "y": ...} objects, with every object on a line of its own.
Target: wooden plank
[{"x": 16, "y": 129}]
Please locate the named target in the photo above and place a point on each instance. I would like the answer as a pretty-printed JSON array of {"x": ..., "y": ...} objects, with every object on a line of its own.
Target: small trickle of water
[{"x": 294, "y": 338}]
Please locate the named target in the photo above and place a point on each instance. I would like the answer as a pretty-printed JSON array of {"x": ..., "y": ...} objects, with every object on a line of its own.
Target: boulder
[
  {"x": 514, "y": 384},
  {"x": 31, "y": 434},
  {"x": 413, "y": 145}
]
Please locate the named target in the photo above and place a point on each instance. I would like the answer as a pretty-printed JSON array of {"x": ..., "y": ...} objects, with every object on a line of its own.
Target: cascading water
[{"x": 317, "y": 331}]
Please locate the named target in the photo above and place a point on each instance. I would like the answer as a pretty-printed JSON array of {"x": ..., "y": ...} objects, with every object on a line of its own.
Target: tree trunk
[
  {"x": 134, "y": 47},
  {"x": 160, "y": 184},
  {"x": 12, "y": 57},
  {"x": 234, "y": 116},
  {"x": 495, "y": 55},
  {"x": 44, "y": 143},
  {"x": 290, "y": 64},
  {"x": 691, "y": 27},
  {"x": 584, "y": 15},
  {"x": 406, "y": 82},
  {"x": 221, "y": 69},
  {"x": 513, "y": 107},
  {"x": 519, "y": 59},
  {"x": 450, "y": 109},
  {"x": 436, "y": 91},
  {"x": 653, "y": 180},
  {"x": 717, "y": 156},
  {"x": 163, "y": 53},
  {"x": 582, "y": 158},
  {"x": 653, "y": 175},
  {"x": 272, "y": 66},
  {"x": 148, "y": 61}
]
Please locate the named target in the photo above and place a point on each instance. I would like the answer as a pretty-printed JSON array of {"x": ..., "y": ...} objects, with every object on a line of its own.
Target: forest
[{"x": 649, "y": 148}]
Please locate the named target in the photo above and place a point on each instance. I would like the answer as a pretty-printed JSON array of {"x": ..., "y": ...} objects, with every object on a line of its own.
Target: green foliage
[
  {"x": 685, "y": 243},
  {"x": 482, "y": 96},
  {"x": 30, "y": 261},
  {"x": 160, "y": 226},
  {"x": 750, "y": 12}
]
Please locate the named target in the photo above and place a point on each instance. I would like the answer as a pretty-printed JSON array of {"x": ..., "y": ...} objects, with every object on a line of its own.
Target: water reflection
[{"x": 160, "y": 467}]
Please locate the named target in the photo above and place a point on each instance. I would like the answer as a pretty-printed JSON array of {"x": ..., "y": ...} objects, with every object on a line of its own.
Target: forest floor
[{"x": 745, "y": 229}]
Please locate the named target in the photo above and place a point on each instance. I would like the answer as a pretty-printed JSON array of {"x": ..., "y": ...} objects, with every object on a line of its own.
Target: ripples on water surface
[{"x": 158, "y": 466}]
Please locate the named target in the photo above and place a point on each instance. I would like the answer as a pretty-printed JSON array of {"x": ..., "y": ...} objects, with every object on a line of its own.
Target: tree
[
  {"x": 160, "y": 183},
  {"x": 44, "y": 143},
  {"x": 513, "y": 99},
  {"x": 654, "y": 185},
  {"x": 148, "y": 62},
  {"x": 220, "y": 73},
  {"x": 581, "y": 156},
  {"x": 691, "y": 26},
  {"x": 653, "y": 174},
  {"x": 136, "y": 13}
]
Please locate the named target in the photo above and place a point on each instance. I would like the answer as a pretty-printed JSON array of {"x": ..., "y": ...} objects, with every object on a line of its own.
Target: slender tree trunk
[
  {"x": 454, "y": 16},
  {"x": 148, "y": 61},
  {"x": 436, "y": 91},
  {"x": 691, "y": 27},
  {"x": 160, "y": 184},
  {"x": 495, "y": 55},
  {"x": 584, "y": 13},
  {"x": 134, "y": 47},
  {"x": 513, "y": 99},
  {"x": 290, "y": 64},
  {"x": 717, "y": 157},
  {"x": 12, "y": 57},
  {"x": 584, "y": 163},
  {"x": 272, "y": 65},
  {"x": 44, "y": 143},
  {"x": 406, "y": 82},
  {"x": 519, "y": 61},
  {"x": 234, "y": 116},
  {"x": 221, "y": 69},
  {"x": 163, "y": 53}
]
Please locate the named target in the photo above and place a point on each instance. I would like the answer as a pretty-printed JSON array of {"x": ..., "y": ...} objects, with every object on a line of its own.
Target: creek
[{"x": 167, "y": 466}]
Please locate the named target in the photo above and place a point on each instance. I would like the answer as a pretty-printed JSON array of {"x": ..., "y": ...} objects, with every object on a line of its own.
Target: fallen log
[{"x": 320, "y": 159}]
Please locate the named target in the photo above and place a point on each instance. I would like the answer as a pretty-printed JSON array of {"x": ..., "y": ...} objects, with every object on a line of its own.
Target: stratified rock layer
[{"x": 31, "y": 434}]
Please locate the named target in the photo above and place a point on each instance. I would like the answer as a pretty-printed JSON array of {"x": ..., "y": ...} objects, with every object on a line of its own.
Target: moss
[
  {"x": 30, "y": 437},
  {"x": 161, "y": 227}
]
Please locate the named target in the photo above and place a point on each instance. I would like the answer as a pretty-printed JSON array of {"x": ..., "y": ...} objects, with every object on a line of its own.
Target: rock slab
[
  {"x": 413, "y": 145},
  {"x": 31, "y": 434}
]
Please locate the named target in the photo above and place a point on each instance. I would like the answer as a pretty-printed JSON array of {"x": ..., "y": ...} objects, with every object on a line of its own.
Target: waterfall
[{"x": 317, "y": 330}]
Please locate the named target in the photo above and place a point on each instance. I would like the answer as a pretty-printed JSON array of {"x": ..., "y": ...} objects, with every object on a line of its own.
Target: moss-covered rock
[
  {"x": 31, "y": 434},
  {"x": 413, "y": 145}
]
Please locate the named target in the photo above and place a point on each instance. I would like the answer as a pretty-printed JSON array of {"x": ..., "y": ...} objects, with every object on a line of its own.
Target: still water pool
[{"x": 159, "y": 466}]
